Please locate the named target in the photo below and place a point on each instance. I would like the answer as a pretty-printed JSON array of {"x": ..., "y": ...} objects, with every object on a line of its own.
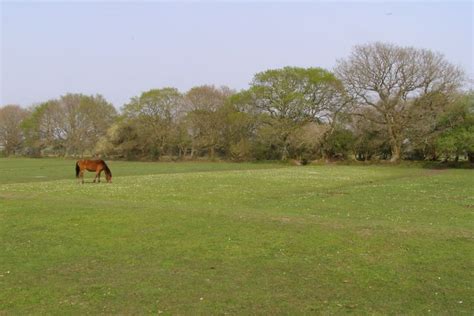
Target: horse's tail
[
  {"x": 106, "y": 168},
  {"x": 78, "y": 169}
]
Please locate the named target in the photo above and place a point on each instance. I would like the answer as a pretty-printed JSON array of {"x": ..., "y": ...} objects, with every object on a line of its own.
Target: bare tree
[
  {"x": 207, "y": 97},
  {"x": 71, "y": 125},
  {"x": 205, "y": 118},
  {"x": 11, "y": 136},
  {"x": 388, "y": 78}
]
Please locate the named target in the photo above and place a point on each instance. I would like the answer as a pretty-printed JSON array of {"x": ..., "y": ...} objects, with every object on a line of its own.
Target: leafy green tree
[
  {"x": 122, "y": 141},
  {"x": 306, "y": 142},
  {"x": 457, "y": 124},
  {"x": 291, "y": 97},
  {"x": 152, "y": 116},
  {"x": 370, "y": 139},
  {"x": 422, "y": 125},
  {"x": 238, "y": 133},
  {"x": 338, "y": 144}
]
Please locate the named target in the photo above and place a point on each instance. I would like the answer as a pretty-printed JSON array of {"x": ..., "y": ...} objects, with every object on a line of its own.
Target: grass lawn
[{"x": 216, "y": 238}]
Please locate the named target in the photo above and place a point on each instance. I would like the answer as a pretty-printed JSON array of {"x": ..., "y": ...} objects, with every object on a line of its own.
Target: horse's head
[{"x": 108, "y": 173}]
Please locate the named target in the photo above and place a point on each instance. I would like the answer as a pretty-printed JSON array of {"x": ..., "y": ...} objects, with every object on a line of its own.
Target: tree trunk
[
  {"x": 396, "y": 152},
  {"x": 395, "y": 143},
  {"x": 284, "y": 153}
]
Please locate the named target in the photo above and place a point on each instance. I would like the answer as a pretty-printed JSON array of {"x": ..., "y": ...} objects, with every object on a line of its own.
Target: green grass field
[{"x": 223, "y": 238}]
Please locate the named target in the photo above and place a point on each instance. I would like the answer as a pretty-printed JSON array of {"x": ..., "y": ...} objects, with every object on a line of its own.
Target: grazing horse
[{"x": 96, "y": 166}]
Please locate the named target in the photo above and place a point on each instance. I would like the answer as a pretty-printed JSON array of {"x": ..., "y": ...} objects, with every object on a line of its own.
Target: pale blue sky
[{"x": 121, "y": 49}]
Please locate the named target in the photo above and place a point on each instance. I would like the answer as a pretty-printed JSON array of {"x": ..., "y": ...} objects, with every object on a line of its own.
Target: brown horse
[{"x": 96, "y": 166}]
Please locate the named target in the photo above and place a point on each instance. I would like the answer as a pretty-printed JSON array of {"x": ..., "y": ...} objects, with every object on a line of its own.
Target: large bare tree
[{"x": 388, "y": 78}]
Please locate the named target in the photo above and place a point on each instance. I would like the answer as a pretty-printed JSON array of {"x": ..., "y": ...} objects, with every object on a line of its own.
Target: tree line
[{"x": 382, "y": 102}]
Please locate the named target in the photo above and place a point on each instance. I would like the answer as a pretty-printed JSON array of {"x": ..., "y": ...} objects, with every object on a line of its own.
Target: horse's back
[{"x": 91, "y": 165}]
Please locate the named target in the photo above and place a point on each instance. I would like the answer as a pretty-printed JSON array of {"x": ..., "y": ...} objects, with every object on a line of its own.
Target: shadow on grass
[
  {"x": 90, "y": 182},
  {"x": 439, "y": 165},
  {"x": 436, "y": 165}
]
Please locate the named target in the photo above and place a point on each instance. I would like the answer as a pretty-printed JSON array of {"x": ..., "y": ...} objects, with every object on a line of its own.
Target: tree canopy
[{"x": 383, "y": 101}]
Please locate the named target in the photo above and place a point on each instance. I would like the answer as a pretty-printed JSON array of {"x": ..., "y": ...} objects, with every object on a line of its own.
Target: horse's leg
[
  {"x": 99, "y": 175},
  {"x": 82, "y": 176},
  {"x": 95, "y": 177}
]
